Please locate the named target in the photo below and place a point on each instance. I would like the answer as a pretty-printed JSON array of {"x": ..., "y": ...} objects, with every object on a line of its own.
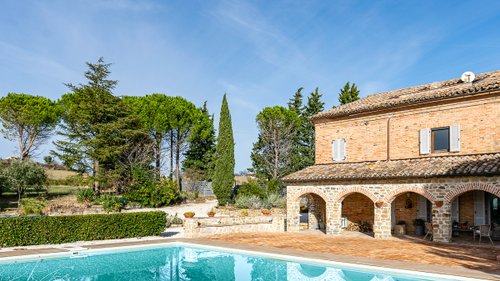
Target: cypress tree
[
  {"x": 348, "y": 94},
  {"x": 314, "y": 106},
  {"x": 223, "y": 179}
]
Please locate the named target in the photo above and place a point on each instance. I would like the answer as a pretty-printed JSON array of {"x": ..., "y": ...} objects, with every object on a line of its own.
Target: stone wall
[
  {"x": 367, "y": 135},
  {"x": 199, "y": 227},
  {"x": 440, "y": 191}
]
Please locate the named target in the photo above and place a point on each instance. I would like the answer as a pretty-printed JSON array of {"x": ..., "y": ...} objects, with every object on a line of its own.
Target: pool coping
[{"x": 380, "y": 265}]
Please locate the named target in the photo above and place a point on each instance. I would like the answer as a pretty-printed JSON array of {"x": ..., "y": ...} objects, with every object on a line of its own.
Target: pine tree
[
  {"x": 348, "y": 94},
  {"x": 93, "y": 121},
  {"x": 223, "y": 179},
  {"x": 295, "y": 103},
  {"x": 314, "y": 106},
  {"x": 199, "y": 156}
]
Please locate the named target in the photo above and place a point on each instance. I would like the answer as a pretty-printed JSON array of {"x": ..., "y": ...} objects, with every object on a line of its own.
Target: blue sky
[{"x": 259, "y": 52}]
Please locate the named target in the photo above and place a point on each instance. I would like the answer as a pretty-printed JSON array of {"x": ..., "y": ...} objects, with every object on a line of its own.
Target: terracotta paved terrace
[{"x": 481, "y": 257}]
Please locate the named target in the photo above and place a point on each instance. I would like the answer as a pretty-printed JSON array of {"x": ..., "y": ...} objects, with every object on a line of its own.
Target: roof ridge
[{"x": 416, "y": 94}]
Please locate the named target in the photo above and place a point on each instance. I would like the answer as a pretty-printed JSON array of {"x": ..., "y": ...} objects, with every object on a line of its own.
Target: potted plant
[
  {"x": 419, "y": 226},
  {"x": 211, "y": 213},
  {"x": 189, "y": 215},
  {"x": 400, "y": 228},
  {"x": 266, "y": 212}
]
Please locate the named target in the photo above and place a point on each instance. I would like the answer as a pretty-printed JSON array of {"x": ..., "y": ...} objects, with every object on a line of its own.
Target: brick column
[
  {"x": 441, "y": 221},
  {"x": 333, "y": 216},
  {"x": 382, "y": 221},
  {"x": 292, "y": 214}
]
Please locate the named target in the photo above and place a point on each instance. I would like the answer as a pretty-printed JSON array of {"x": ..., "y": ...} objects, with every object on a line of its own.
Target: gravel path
[{"x": 200, "y": 209}]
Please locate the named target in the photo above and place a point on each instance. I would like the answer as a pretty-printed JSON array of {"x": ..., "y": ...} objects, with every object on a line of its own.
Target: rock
[{"x": 498, "y": 258}]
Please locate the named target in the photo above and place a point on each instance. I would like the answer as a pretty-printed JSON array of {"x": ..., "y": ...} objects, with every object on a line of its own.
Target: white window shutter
[
  {"x": 338, "y": 150},
  {"x": 425, "y": 141},
  {"x": 342, "y": 150},
  {"x": 455, "y": 138},
  {"x": 335, "y": 153}
]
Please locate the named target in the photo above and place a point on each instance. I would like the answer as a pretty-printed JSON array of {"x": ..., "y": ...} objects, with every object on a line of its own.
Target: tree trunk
[
  {"x": 171, "y": 154},
  {"x": 177, "y": 160},
  {"x": 95, "y": 174},
  {"x": 276, "y": 154},
  {"x": 158, "y": 157}
]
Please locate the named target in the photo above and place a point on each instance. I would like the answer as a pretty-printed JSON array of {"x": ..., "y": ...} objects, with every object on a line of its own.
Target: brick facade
[{"x": 367, "y": 136}]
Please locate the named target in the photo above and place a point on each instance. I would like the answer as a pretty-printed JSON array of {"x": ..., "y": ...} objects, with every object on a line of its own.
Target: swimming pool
[{"x": 183, "y": 262}]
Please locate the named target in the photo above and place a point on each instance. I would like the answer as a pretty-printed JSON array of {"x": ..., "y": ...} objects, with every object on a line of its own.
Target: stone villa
[{"x": 429, "y": 152}]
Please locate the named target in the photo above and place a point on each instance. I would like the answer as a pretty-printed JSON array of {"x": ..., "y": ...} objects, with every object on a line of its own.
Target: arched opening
[
  {"x": 470, "y": 210},
  {"x": 312, "y": 212},
  {"x": 410, "y": 212},
  {"x": 358, "y": 213}
]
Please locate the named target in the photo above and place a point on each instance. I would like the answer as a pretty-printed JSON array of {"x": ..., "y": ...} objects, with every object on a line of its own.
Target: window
[
  {"x": 440, "y": 139},
  {"x": 443, "y": 139}
]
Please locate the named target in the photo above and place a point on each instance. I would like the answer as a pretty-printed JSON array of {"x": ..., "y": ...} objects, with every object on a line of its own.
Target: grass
[{"x": 8, "y": 199}]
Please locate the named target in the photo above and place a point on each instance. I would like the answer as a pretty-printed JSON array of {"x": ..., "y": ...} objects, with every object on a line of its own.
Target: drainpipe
[{"x": 389, "y": 138}]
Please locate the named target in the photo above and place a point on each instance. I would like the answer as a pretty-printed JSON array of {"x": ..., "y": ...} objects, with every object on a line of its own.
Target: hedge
[{"x": 22, "y": 231}]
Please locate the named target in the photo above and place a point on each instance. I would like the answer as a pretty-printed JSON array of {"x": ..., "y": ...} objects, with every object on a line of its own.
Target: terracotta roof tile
[
  {"x": 434, "y": 91},
  {"x": 439, "y": 166}
]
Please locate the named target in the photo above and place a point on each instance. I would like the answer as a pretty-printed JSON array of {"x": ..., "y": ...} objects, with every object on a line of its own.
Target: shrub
[
  {"x": 23, "y": 176},
  {"x": 247, "y": 202},
  {"x": 22, "y": 231},
  {"x": 273, "y": 200},
  {"x": 164, "y": 193},
  {"x": 111, "y": 203},
  {"x": 274, "y": 186},
  {"x": 251, "y": 188},
  {"x": 177, "y": 220},
  {"x": 85, "y": 195},
  {"x": 30, "y": 206}
]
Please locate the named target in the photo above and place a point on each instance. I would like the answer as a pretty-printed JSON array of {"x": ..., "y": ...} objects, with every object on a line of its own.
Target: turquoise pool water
[{"x": 182, "y": 264}]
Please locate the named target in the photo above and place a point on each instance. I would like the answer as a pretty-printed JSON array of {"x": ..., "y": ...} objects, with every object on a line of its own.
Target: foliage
[
  {"x": 97, "y": 126},
  {"x": 49, "y": 160},
  {"x": 176, "y": 220},
  {"x": 188, "y": 214},
  {"x": 248, "y": 202},
  {"x": 274, "y": 186},
  {"x": 22, "y": 176},
  {"x": 277, "y": 132},
  {"x": 244, "y": 213},
  {"x": 111, "y": 203},
  {"x": 155, "y": 195},
  {"x": 223, "y": 178},
  {"x": 30, "y": 206},
  {"x": 29, "y": 120},
  {"x": 348, "y": 94},
  {"x": 85, "y": 195},
  {"x": 76, "y": 180},
  {"x": 251, "y": 188},
  {"x": 22, "y": 231},
  {"x": 199, "y": 157},
  {"x": 274, "y": 200}
]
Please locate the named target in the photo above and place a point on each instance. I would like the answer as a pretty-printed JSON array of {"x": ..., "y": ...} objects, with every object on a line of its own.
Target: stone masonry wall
[
  {"x": 440, "y": 191},
  {"x": 366, "y": 136},
  {"x": 199, "y": 227},
  {"x": 407, "y": 215}
]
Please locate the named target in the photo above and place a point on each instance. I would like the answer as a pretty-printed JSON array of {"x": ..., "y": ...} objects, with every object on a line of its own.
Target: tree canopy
[
  {"x": 29, "y": 120},
  {"x": 278, "y": 128},
  {"x": 348, "y": 93}
]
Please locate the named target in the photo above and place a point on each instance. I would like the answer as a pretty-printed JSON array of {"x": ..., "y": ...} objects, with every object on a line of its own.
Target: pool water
[{"x": 180, "y": 264}]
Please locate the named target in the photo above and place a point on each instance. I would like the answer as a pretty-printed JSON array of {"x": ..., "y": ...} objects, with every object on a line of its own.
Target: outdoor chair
[
  {"x": 429, "y": 229},
  {"x": 483, "y": 231}
]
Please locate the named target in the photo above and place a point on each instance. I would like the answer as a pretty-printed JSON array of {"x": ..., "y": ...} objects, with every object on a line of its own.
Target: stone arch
[
  {"x": 418, "y": 190},
  {"x": 356, "y": 189},
  {"x": 314, "y": 191},
  {"x": 462, "y": 188}
]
